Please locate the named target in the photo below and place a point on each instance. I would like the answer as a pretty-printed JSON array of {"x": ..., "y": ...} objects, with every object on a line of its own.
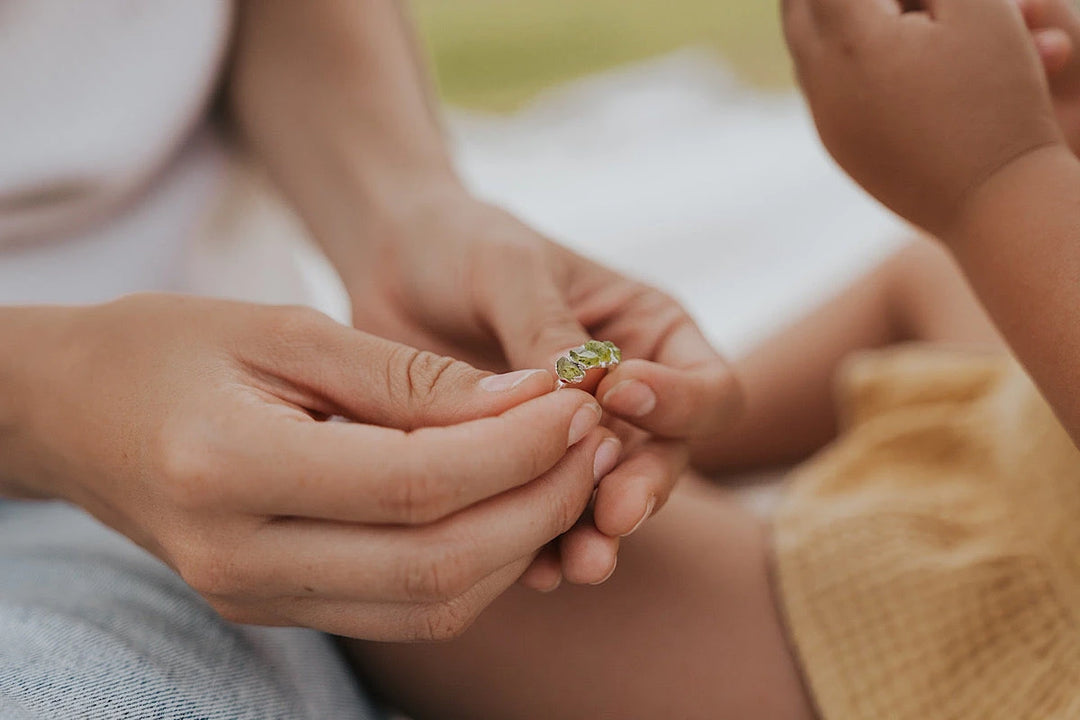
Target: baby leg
[{"x": 687, "y": 628}]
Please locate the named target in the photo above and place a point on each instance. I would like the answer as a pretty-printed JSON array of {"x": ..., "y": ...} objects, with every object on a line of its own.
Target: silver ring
[{"x": 571, "y": 366}]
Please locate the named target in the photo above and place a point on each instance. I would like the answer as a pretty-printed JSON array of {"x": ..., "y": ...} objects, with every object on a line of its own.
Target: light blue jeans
[{"x": 92, "y": 627}]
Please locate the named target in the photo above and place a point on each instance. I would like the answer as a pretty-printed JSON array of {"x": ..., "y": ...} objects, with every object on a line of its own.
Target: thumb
[
  {"x": 342, "y": 371},
  {"x": 528, "y": 312}
]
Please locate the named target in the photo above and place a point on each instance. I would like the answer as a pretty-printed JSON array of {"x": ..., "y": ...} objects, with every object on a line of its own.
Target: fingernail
[
  {"x": 509, "y": 381},
  {"x": 611, "y": 572},
  {"x": 631, "y": 398},
  {"x": 648, "y": 513},
  {"x": 607, "y": 457},
  {"x": 587, "y": 418},
  {"x": 554, "y": 587}
]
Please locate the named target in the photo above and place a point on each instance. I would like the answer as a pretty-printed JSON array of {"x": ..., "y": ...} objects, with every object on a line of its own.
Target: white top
[{"x": 105, "y": 170}]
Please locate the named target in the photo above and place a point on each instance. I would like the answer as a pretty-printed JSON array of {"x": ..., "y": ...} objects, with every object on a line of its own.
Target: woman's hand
[
  {"x": 199, "y": 429},
  {"x": 922, "y": 106},
  {"x": 467, "y": 279},
  {"x": 350, "y": 134}
]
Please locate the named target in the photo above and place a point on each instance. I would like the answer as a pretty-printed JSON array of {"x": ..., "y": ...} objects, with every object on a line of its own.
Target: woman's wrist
[
  {"x": 34, "y": 340},
  {"x": 369, "y": 214}
]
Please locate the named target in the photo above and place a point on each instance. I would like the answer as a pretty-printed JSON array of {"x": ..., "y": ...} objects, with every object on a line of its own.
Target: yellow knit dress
[{"x": 928, "y": 563}]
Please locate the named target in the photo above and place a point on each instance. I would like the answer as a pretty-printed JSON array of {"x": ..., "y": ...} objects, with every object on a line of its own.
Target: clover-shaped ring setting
[{"x": 571, "y": 367}]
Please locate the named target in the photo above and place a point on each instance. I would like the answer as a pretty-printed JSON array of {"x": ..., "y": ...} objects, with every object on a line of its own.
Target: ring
[{"x": 571, "y": 366}]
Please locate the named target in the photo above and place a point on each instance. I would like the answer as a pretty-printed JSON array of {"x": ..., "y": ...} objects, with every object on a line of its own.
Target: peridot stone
[
  {"x": 569, "y": 371},
  {"x": 571, "y": 367},
  {"x": 586, "y": 358},
  {"x": 601, "y": 350}
]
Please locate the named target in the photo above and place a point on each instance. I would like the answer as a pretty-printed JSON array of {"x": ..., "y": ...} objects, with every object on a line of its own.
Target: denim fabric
[{"x": 92, "y": 627}]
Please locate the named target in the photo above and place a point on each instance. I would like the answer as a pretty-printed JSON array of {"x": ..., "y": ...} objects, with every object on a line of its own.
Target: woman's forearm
[
  {"x": 334, "y": 101},
  {"x": 1018, "y": 242}
]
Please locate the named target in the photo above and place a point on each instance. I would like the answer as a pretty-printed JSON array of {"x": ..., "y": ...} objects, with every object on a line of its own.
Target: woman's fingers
[
  {"x": 428, "y": 564},
  {"x": 519, "y": 296},
  {"x": 672, "y": 382},
  {"x": 673, "y": 402},
  {"x": 545, "y": 573},
  {"x": 388, "y": 622},
  {"x": 321, "y": 365},
  {"x": 687, "y": 391},
  {"x": 532, "y": 320},
  {"x": 285, "y": 465},
  {"x": 588, "y": 556},
  {"x": 624, "y": 501},
  {"x": 639, "y": 487}
]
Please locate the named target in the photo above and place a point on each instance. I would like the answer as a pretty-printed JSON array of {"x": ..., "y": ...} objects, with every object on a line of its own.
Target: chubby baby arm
[
  {"x": 922, "y": 107},
  {"x": 945, "y": 115}
]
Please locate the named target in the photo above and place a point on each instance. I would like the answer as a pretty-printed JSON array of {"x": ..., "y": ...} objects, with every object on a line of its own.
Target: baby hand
[
  {"x": 921, "y": 106},
  {"x": 1055, "y": 26}
]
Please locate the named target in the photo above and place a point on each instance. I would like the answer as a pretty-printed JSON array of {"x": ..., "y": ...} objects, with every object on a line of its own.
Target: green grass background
[{"x": 496, "y": 54}]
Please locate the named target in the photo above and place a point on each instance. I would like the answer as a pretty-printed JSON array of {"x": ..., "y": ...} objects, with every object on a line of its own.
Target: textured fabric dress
[{"x": 929, "y": 562}]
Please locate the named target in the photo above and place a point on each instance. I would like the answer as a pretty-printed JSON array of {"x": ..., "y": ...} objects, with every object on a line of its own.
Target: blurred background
[
  {"x": 662, "y": 137},
  {"x": 495, "y": 55}
]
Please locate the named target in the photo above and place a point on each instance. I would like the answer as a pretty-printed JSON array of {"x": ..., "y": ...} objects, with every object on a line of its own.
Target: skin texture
[
  {"x": 155, "y": 414},
  {"x": 688, "y": 626},
  {"x": 799, "y": 397},
  {"x": 197, "y": 428},
  {"x": 790, "y": 405},
  {"x": 685, "y": 628},
  {"x": 977, "y": 157},
  {"x": 333, "y": 100},
  {"x": 1056, "y": 28},
  {"x": 922, "y": 107}
]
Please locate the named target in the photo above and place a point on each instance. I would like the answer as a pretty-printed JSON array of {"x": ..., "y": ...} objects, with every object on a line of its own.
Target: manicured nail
[
  {"x": 509, "y": 381},
  {"x": 587, "y": 418},
  {"x": 631, "y": 398},
  {"x": 611, "y": 572},
  {"x": 607, "y": 457},
  {"x": 648, "y": 513}
]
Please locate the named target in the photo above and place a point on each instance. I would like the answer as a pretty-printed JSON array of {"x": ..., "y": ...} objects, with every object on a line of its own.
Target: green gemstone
[
  {"x": 569, "y": 371},
  {"x": 600, "y": 350},
  {"x": 586, "y": 358},
  {"x": 616, "y": 353}
]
